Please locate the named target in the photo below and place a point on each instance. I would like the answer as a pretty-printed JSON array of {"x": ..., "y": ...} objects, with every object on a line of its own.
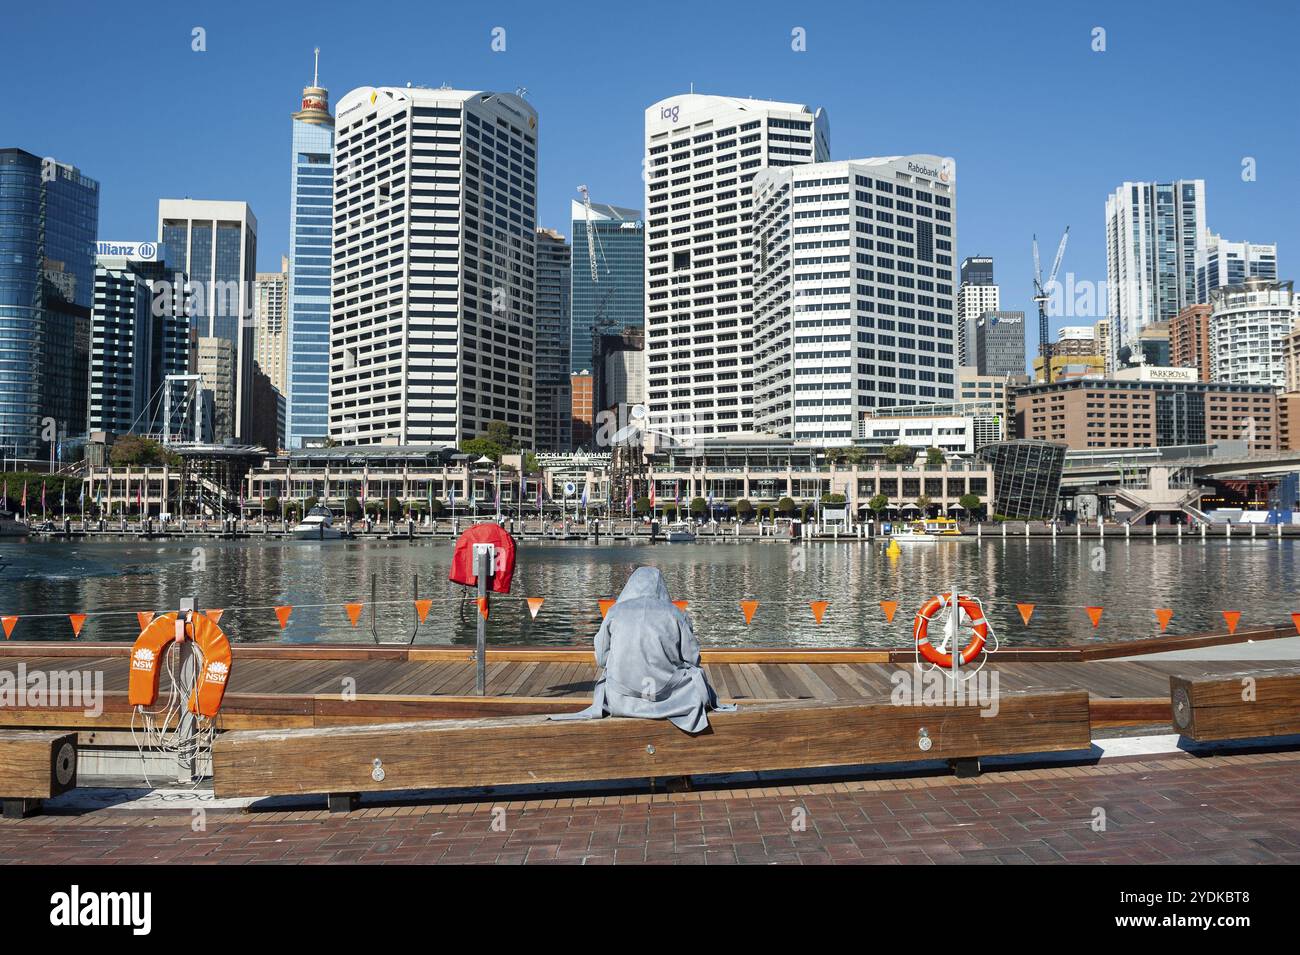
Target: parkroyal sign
[{"x": 139, "y": 251}]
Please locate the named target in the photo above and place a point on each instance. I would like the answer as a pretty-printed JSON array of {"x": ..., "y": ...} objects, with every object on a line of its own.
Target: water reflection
[{"x": 1198, "y": 579}]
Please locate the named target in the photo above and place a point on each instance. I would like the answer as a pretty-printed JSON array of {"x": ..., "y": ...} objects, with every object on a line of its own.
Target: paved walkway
[{"x": 1222, "y": 809}]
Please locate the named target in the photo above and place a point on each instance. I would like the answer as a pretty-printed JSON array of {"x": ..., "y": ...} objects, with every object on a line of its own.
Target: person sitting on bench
[{"x": 651, "y": 660}]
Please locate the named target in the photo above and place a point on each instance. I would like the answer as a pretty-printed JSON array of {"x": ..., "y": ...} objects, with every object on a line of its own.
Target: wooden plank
[
  {"x": 1238, "y": 705},
  {"x": 37, "y": 764},
  {"x": 522, "y": 750}
]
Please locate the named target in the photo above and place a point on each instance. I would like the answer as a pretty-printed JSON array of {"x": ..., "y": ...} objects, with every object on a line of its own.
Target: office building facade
[
  {"x": 271, "y": 325},
  {"x": 1000, "y": 343},
  {"x": 139, "y": 336},
  {"x": 1155, "y": 237},
  {"x": 553, "y": 426},
  {"x": 608, "y": 295},
  {"x": 701, "y": 155},
  {"x": 1249, "y": 328},
  {"x": 1147, "y": 408},
  {"x": 434, "y": 266},
  {"x": 306, "y": 388},
  {"x": 853, "y": 293},
  {"x": 48, "y": 224},
  {"x": 1232, "y": 263},
  {"x": 976, "y": 295},
  {"x": 215, "y": 244}
]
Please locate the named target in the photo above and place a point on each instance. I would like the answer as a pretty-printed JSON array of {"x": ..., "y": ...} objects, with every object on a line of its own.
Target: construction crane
[
  {"x": 591, "y": 234},
  {"x": 1040, "y": 299}
]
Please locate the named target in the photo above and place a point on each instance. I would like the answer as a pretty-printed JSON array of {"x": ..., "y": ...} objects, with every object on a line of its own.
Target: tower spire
[{"x": 315, "y": 71}]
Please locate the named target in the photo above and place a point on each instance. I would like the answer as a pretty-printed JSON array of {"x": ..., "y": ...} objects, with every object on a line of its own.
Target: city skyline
[{"x": 1044, "y": 159}]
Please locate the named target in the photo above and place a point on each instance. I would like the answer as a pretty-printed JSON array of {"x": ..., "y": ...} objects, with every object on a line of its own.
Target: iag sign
[
  {"x": 138, "y": 251},
  {"x": 670, "y": 113}
]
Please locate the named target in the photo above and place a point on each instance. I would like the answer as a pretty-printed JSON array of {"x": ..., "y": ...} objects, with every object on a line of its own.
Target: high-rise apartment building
[
  {"x": 553, "y": 422},
  {"x": 1155, "y": 236},
  {"x": 1000, "y": 343},
  {"x": 1101, "y": 333},
  {"x": 976, "y": 295},
  {"x": 701, "y": 155},
  {"x": 434, "y": 266},
  {"x": 1189, "y": 340},
  {"x": 1231, "y": 263},
  {"x": 271, "y": 325},
  {"x": 1249, "y": 327},
  {"x": 306, "y": 386},
  {"x": 608, "y": 294},
  {"x": 215, "y": 244},
  {"x": 853, "y": 293},
  {"x": 139, "y": 335},
  {"x": 49, "y": 215}
]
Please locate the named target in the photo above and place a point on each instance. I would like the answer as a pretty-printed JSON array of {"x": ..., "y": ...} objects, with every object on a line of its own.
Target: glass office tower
[
  {"x": 312, "y": 185},
  {"x": 613, "y": 298},
  {"x": 49, "y": 214}
]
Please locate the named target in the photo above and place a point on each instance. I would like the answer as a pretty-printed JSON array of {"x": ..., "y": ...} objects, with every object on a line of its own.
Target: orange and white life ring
[
  {"x": 152, "y": 644},
  {"x": 978, "y": 623}
]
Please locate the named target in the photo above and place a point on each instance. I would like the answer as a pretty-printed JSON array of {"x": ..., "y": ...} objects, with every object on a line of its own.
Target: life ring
[
  {"x": 978, "y": 623},
  {"x": 152, "y": 644}
]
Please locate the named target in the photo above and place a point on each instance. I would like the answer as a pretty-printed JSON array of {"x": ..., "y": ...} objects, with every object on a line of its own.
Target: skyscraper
[
  {"x": 701, "y": 155},
  {"x": 1000, "y": 343},
  {"x": 853, "y": 293},
  {"x": 976, "y": 295},
  {"x": 48, "y": 220},
  {"x": 270, "y": 325},
  {"x": 215, "y": 244},
  {"x": 1155, "y": 235},
  {"x": 554, "y": 431},
  {"x": 612, "y": 298},
  {"x": 139, "y": 336},
  {"x": 1231, "y": 263},
  {"x": 434, "y": 257},
  {"x": 306, "y": 389}
]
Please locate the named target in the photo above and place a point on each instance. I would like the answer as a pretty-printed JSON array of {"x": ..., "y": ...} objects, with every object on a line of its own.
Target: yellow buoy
[{"x": 893, "y": 550}]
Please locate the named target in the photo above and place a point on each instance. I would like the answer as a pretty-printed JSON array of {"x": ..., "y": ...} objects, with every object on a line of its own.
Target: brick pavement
[{"x": 1223, "y": 809}]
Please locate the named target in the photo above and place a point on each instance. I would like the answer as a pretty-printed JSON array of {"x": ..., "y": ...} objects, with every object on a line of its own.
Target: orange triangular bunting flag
[
  {"x": 283, "y": 614},
  {"x": 1295, "y": 619},
  {"x": 889, "y": 607},
  {"x": 483, "y": 607},
  {"x": 1231, "y": 617},
  {"x": 1164, "y": 615},
  {"x": 604, "y": 607},
  {"x": 534, "y": 605},
  {"x": 145, "y": 617},
  {"x": 422, "y": 608},
  {"x": 681, "y": 605},
  {"x": 78, "y": 620},
  {"x": 1094, "y": 614},
  {"x": 354, "y": 612},
  {"x": 1026, "y": 611},
  {"x": 747, "y": 607},
  {"x": 11, "y": 622},
  {"x": 213, "y": 615},
  {"x": 819, "y": 608}
]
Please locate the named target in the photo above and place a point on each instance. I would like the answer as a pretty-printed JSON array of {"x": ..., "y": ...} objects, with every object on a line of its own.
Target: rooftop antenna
[{"x": 315, "y": 70}]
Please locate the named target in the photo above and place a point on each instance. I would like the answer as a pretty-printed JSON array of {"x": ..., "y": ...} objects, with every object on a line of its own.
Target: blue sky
[{"x": 1041, "y": 126}]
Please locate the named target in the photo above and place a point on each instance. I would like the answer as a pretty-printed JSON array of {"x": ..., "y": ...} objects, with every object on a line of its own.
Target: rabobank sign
[{"x": 139, "y": 251}]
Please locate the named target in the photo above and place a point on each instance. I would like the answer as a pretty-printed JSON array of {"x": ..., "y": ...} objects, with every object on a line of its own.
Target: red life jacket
[{"x": 462, "y": 558}]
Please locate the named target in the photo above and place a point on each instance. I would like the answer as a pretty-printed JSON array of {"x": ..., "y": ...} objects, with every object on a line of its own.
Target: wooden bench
[
  {"x": 343, "y": 761},
  {"x": 35, "y": 765},
  {"x": 1240, "y": 705}
]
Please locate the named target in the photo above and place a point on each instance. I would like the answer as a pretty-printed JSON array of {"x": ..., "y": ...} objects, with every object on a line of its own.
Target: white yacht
[
  {"x": 317, "y": 525},
  {"x": 680, "y": 533}
]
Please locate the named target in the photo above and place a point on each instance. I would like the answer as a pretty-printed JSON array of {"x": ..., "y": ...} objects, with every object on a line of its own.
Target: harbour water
[{"x": 111, "y": 580}]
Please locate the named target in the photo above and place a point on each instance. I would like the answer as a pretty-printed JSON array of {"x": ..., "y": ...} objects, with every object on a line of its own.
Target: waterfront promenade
[{"x": 1179, "y": 808}]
